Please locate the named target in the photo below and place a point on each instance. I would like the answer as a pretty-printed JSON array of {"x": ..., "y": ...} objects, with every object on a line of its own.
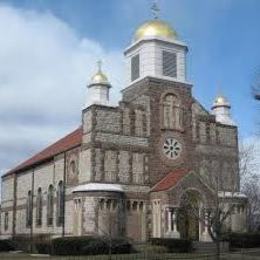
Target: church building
[{"x": 128, "y": 170}]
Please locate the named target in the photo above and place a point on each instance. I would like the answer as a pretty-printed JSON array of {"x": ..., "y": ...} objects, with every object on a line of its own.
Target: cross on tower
[
  {"x": 99, "y": 63},
  {"x": 155, "y": 9}
]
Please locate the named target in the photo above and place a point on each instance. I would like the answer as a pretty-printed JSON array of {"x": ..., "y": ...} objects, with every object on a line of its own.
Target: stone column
[
  {"x": 172, "y": 231},
  {"x": 169, "y": 219},
  {"x": 174, "y": 221},
  {"x": 200, "y": 223}
]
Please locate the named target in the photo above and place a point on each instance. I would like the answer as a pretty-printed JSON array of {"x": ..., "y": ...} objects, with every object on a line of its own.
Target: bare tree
[
  {"x": 225, "y": 179},
  {"x": 110, "y": 220},
  {"x": 250, "y": 183},
  {"x": 222, "y": 199}
]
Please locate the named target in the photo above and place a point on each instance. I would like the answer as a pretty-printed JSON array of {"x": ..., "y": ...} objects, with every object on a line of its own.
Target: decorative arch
[
  {"x": 196, "y": 191},
  {"x": 72, "y": 170},
  {"x": 171, "y": 111},
  {"x": 72, "y": 167}
]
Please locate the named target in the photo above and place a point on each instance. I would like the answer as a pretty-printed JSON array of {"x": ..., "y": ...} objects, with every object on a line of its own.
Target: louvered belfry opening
[
  {"x": 135, "y": 67},
  {"x": 169, "y": 61}
]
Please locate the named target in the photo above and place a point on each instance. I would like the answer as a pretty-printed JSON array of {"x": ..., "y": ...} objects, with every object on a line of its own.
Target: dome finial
[
  {"x": 99, "y": 77},
  {"x": 155, "y": 28},
  {"x": 155, "y": 9},
  {"x": 99, "y": 64}
]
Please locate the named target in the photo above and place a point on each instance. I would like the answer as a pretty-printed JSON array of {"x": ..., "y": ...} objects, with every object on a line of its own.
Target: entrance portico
[
  {"x": 184, "y": 203},
  {"x": 193, "y": 216}
]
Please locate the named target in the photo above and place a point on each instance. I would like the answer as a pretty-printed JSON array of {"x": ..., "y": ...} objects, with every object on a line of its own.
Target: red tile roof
[
  {"x": 170, "y": 180},
  {"x": 66, "y": 143}
]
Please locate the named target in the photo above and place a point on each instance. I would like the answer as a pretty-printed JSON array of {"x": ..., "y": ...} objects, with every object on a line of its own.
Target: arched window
[
  {"x": 72, "y": 167},
  {"x": 39, "y": 207},
  {"x": 6, "y": 221},
  {"x": 60, "y": 203},
  {"x": 29, "y": 209},
  {"x": 50, "y": 201},
  {"x": 172, "y": 112},
  {"x": 101, "y": 203}
]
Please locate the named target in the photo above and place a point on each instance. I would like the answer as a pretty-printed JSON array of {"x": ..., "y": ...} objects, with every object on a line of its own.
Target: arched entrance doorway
[{"x": 188, "y": 217}]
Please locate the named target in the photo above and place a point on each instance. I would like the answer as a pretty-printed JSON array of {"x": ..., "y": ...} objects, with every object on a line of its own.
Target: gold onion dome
[
  {"x": 220, "y": 101},
  {"x": 99, "y": 77},
  {"x": 155, "y": 28}
]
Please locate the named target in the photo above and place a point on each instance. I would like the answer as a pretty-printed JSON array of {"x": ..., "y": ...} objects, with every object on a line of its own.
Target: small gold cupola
[
  {"x": 98, "y": 88},
  {"x": 221, "y": 109},
  {"x": 99, "y": 77},
  {"x": 220, "y": 101}
]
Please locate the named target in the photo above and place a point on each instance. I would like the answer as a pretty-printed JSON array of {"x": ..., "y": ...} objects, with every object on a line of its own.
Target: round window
[{"x": 172, "y": 148}]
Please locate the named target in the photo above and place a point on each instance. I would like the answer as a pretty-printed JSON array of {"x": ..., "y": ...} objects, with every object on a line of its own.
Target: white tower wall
[
  {"x": 151, "y": 58},
  {"x": 98, "y": 94},
  {"x": 223, "y": 115},
  {"x": 221, "y": 109}
]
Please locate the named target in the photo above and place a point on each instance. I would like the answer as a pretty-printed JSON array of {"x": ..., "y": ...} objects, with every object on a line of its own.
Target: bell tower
[{"x": 157, "y": 52}]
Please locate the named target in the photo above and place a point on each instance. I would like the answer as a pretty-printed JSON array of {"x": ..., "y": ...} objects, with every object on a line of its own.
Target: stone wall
[
  {"x": 7, "y": 196},
  {"x": 85, "y": 166},
  {"x": 149, "y": 94},
  {"x": 42, "y": 176},
  {"x": 216, "y": 152},
  {"x": 108, "y": 120},
  {"x": 124, "y": 145}
]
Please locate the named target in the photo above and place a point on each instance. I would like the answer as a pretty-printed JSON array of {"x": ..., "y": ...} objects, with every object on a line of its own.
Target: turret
[
  {"x": 221, "y": 109},
  {"x": 98, "y": 89}
]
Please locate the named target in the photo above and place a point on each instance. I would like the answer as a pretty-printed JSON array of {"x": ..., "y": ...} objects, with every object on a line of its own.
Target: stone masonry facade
[{"x": 123, "y": 145}]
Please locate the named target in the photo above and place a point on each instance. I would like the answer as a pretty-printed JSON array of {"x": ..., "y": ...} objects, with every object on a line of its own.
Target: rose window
[{"x": 172, "y": 148}]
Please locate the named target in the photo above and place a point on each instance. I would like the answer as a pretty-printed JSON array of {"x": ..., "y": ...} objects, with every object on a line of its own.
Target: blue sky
[
  {"x": 223, "y": 38},
  {"x": 51, "y": 47}
]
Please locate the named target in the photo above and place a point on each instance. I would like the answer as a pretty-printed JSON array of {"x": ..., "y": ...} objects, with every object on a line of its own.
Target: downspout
[
  {"x": 64, "y": 194},
  {"x": 14, "y": 206},
  {"x": 31, "y": 230}
]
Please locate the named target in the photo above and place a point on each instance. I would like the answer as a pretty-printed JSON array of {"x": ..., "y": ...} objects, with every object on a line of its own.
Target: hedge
[
  {"x": 244, "y": 240},
  {"x": 38, "y": 243},
  {"x": 7, "y": 245},
  {"x": 89, "y": 246},
  {"x": 173, "y": 245},
  {"x": 43, "y": 247}
]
